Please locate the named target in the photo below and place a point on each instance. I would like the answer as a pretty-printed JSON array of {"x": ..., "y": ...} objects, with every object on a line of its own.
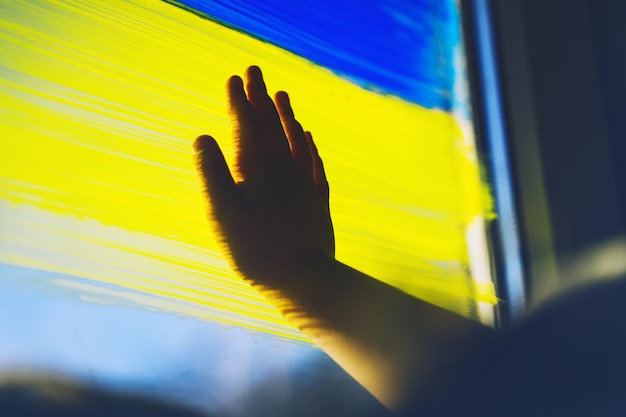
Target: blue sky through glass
[{"x": 218, "y": 368}]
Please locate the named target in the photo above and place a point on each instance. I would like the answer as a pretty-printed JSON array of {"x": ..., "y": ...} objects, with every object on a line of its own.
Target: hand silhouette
[
  {"x": 274, "y": 221},
  {"x": 274, "y": 226}
]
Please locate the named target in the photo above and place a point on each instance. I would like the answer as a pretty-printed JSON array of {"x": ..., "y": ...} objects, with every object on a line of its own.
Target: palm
[{"x": 277, "y": 217}]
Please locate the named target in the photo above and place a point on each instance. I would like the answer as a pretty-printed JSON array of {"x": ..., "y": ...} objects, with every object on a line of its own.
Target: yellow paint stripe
[
  {"x": 160, "y": 273},
  {"x": 100, "y": 101}
]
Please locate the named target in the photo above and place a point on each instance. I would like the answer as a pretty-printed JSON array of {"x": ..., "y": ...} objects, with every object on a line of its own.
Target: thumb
[{"x": 221, "y": 190}]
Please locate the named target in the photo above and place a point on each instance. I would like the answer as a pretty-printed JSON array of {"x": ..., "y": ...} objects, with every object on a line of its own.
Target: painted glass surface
[{"x": 105, "y": 253}]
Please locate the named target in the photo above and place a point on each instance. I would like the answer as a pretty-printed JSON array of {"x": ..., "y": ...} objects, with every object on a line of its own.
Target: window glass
[{"x": 108, "y": 269}]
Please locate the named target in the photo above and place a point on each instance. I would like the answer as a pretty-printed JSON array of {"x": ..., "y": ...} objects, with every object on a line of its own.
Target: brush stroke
[
  {"x": 100, "y": 102},
  {"x": 403, "y": 48}
]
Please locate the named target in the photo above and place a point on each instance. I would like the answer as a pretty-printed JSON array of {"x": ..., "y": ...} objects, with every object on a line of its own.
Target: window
[{"x": 107, "y": 266}]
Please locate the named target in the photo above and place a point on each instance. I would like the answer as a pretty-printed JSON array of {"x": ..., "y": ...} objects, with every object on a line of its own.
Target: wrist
[{"x": 294, "y": 276}]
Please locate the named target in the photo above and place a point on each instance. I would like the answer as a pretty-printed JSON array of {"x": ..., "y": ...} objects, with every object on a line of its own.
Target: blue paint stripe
[{"x": 403, "y": 48}]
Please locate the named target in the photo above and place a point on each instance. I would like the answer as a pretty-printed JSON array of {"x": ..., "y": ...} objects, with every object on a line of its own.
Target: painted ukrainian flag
[{"x": 100, "y": 101}]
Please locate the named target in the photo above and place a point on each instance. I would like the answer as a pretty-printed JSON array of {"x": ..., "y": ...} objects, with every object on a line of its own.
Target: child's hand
[
  {"x": 276, "y": 220},
  {"x": 275, "y": 226}
]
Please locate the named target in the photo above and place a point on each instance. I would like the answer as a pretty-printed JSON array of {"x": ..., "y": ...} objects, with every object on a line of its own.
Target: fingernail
[
  {"x": 202, "y": 143},
  {"x": 255, "y": 76},
  {"x": 284, "y": 93},
  {"x": 235, "y": 85},
  {"x": 255, "y": 70},
  {"x": 286, "y": 102}
]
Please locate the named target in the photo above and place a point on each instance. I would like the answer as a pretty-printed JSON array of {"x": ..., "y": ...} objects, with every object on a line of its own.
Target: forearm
[
  {"x": 276, "y": 216},
  {"x": 392, "y": 343}
]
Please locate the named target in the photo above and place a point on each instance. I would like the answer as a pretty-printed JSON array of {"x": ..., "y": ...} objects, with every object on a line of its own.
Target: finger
[
  {"x": 221, "y": 190},
  {"x": 295, "y": 134},
  {"x": 319, "y": 175},
  {"x": 250, "y": 144},
  {"x": 265, "y": 108}
]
